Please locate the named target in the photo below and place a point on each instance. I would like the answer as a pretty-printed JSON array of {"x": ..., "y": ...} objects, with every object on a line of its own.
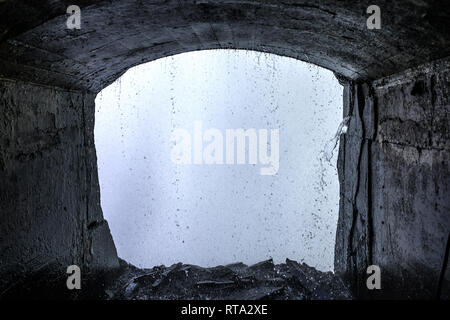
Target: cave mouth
[
  {"x": 210, "y": 208},
  {"x": 393, "y": 162}
]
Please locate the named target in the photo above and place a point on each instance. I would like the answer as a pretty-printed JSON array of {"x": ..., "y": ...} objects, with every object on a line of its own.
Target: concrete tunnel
[{"x": 394, "y": 161}]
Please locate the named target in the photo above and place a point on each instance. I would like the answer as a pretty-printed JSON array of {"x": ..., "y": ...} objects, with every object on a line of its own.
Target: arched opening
[
  {"x": 216, "y": 212},
  {"x": 393, "y": 162}
]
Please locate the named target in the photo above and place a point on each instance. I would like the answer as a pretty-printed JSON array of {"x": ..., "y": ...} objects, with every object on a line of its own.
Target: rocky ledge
[{"x": 264, "y": 280}]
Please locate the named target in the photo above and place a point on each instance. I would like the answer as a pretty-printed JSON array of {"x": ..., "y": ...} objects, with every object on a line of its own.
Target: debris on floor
[{"x": 264, "y": 280}]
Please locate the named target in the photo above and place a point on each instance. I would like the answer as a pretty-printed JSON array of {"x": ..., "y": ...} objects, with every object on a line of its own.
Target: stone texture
[
  {"x": 262, "y": 281},
  {"x": 118, "y": 34},
  {"x": 394, "y": 167},
  {"x": 49, "y": 192},
  {"x": 393, "y": 161}
]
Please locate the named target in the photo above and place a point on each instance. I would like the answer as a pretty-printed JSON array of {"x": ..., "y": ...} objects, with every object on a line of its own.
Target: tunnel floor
[{"x": 264, "y": 280}]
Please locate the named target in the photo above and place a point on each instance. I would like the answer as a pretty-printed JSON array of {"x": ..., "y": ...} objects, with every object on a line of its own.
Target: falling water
[
  {"x": 327, "y": 153},
  {"x": 162, "y": 213}
]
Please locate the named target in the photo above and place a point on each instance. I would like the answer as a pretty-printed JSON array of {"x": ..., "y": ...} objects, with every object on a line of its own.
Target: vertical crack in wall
[
  {"x": 352, "y": 263},
  {"x": 361, "y": 233},
  {"x": 360, "y": 104},
  {"x": 374, "y": 120}
]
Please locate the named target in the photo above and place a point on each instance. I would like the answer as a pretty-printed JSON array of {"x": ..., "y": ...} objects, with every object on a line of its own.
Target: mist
[{"x": 164, "y": 212}]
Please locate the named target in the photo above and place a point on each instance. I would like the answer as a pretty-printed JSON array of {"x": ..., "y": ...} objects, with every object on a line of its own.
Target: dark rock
[{"x": 260, "y": 281}]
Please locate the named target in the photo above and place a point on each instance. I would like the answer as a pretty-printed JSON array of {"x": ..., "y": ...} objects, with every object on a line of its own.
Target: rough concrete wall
[
  {"x": 394, "y": 168},
  {"x": 50, "y": 215},
  {"x": 118, "y": 34}
]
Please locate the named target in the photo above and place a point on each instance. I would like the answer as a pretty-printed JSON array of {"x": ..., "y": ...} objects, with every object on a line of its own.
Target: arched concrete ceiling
[{"x": 35, "y": 44}]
